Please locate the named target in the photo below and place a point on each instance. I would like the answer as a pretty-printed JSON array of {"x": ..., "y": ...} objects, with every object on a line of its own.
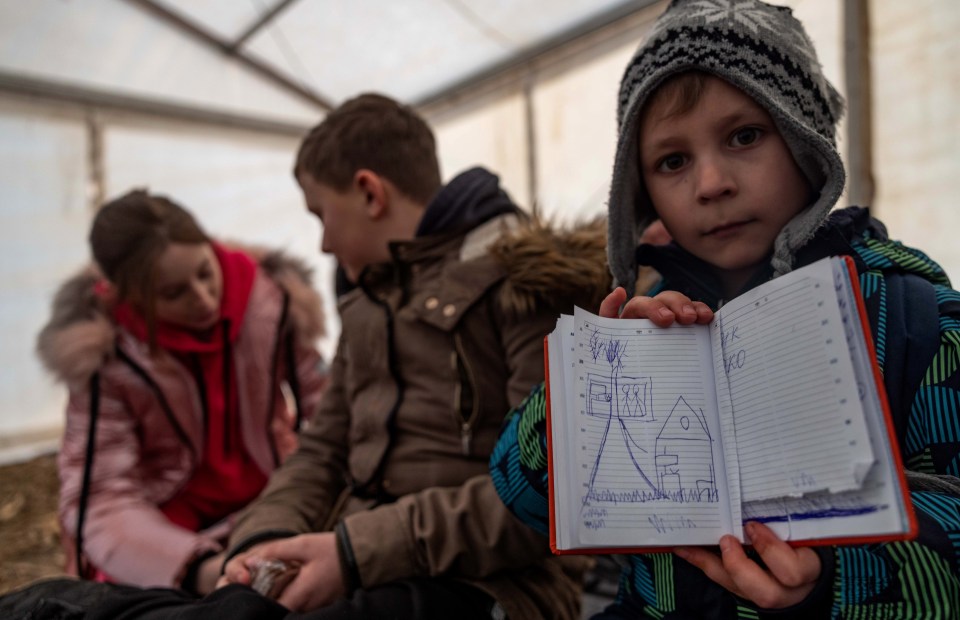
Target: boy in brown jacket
[{"x": 387, "y": 507}]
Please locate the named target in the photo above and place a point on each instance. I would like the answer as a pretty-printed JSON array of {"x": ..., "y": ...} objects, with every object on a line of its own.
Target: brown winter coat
[
  {"x": 436, "y": 347},
  {"x": 147, "y": 446}
]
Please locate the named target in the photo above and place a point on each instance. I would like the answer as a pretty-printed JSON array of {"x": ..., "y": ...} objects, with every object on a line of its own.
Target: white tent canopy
[{"x": 205, "y": 100}]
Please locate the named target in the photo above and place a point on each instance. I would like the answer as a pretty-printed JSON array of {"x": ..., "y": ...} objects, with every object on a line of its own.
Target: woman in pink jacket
[{"x": 189, "y": 366}]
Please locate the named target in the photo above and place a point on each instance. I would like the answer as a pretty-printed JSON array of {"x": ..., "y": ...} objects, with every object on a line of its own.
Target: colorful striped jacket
[{"x": 915, "y": 317}]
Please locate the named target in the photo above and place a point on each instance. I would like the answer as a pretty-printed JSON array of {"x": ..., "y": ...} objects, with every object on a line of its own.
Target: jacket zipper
[
  {"x": 390, "y": 422},
  {"x": 274, "y": 379},
  {"x": 197, "y": 371},
  {"x": 164, "y": 403},
  {"x": 466, "y": 426},
  {"x": 227, "y": 390}
]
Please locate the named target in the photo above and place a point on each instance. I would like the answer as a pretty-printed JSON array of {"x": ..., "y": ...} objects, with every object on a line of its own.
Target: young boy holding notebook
[{"x": 726, "y": 135}]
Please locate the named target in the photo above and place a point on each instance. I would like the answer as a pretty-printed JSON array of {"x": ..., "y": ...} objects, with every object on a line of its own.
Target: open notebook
[{"x": 774, "y": 412}]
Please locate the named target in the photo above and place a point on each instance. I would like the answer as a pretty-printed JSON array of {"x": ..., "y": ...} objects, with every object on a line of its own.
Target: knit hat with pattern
[{"x": 765, "y": 52}]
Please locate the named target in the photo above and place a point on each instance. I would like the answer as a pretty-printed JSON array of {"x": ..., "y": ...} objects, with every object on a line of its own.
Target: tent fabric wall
[
  {"x": 916, "y": 130},
  {"x": 492, "y": 135},
  {"x": 576, "y": 134},
  {"x": 44, "y": 180}
]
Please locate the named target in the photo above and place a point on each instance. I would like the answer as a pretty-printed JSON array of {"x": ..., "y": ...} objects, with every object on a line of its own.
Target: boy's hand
[
  {"x": 236, "y": 571},
  {"x": 664, "y": 309},
  {"x": 788, "y": 579},
  {"x": 319, "y": 581}
]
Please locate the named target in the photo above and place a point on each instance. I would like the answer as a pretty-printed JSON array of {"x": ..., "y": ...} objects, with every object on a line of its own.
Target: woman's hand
[
  {"x": 664, "y": 309},
  {"x": 789, "y": 577}
]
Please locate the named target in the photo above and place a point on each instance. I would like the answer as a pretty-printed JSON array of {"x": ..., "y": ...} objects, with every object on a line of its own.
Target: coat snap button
[
  {"x": 431, "y": 303},
  {"x": 449, "y": 310}
]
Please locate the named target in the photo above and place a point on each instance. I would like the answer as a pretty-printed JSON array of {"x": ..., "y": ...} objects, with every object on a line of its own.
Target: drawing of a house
[{"x": 684, "y": 456}]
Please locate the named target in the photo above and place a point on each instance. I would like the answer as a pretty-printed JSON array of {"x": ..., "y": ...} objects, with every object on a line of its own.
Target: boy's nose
[{"x": 714, "y": 181}]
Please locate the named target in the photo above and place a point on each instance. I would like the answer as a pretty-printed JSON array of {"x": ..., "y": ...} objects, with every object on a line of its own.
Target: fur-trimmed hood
[
  {"x": 558, "y": 267},
  {"x": 80, "y": 335}
]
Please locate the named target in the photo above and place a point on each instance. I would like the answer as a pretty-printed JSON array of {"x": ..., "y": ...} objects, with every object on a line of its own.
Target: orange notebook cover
[{"x": 888, "y": 444}]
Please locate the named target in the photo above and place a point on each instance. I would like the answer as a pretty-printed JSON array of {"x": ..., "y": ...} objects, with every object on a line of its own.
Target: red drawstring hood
[{"x": 226, "y": 479}]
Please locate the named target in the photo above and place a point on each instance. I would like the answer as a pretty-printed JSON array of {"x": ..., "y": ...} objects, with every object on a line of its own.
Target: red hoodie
[{"x": 226, "y": 479}]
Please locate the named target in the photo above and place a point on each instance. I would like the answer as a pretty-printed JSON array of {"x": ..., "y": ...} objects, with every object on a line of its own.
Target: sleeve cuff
[
  {"x": 348, "y": 562},
  {"x": 189, "y": 581}
]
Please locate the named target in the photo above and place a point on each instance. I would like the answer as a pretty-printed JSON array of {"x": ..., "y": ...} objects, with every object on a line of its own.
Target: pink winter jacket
[{"x": 149, "y": 432}]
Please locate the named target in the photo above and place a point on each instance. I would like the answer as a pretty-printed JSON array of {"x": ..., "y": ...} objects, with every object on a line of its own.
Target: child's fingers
[
  {"x": 648, "y": 308},
  {"x": 294, "y": 549},
  {"x": 710, "y": 564},
  {"x": 704, "y": 313},
  {"x": 791, "y": 567},
  {"x": 298, "y": 594},
  {"x": 757, "y": 584},
  {"x": 236, "y": 570},
  {"x": 611, "y": 304},
  {"x": 785, "y": 583},
  {"x": 680, "y": 305},
  {"x": 664, "y": 309},
  {"x": 749, "y": 578}
]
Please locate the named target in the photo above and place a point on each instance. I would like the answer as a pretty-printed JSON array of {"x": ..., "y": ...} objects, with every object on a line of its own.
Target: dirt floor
[{"x": 29, "y": 534}]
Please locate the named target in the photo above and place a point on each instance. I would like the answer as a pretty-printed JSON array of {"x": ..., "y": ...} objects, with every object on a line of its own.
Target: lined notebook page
[
  {"x": 876, "y": 507},
  {"x": 786, "y": 381},
  {"x": 647, "y": 444}
]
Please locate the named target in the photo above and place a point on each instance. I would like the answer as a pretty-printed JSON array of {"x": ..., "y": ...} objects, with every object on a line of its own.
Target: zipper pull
[{"x": 466, "y": 439}]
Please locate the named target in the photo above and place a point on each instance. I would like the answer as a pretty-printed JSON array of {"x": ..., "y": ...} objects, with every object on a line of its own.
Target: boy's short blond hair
[
  {"x": 376, "y": 133},
  {"x": 680, "y": 93}
]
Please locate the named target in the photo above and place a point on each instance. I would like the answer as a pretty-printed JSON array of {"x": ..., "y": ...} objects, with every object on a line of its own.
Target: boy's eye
[
  {"x": 745, "y": 136},
  {"x": 671, "y": 162}
]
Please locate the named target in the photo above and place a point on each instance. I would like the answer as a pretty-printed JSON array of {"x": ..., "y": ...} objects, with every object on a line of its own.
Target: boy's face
[
  {"x": 349, "y": 233},
  {"x": 721, "y": 178}
]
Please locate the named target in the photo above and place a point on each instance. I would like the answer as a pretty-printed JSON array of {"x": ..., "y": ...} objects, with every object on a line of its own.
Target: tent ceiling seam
[
  {"x": 198, "y": 32},
  {"x": 50, "y": 90},
  {"x": 521, "y": 65},
  {"x": 490, "y": 31},
  {"x": 260, "y": 23}
]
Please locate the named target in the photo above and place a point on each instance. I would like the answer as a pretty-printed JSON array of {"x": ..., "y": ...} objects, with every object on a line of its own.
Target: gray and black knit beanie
[{"x": 765, "y": 52}]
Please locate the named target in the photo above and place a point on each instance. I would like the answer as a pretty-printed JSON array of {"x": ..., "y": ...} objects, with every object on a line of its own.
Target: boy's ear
[{"x": 374, "y": 190}]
